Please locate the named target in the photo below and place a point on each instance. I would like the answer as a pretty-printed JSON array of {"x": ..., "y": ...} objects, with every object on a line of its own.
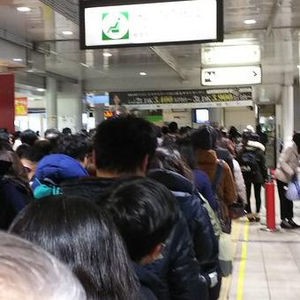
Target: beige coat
[{"x": 288, "y": 163}]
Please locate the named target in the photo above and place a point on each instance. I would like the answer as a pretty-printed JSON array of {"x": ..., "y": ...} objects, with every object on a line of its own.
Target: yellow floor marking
[{"x": 242, "y": 269}]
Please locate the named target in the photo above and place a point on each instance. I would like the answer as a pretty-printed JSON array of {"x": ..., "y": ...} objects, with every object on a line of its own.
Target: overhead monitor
[
  {"x": 201, "y": 116},
  {"x": 116, "y": 23}
]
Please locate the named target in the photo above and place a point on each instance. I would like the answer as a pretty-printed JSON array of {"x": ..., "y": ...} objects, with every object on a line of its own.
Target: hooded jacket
[
  {"x": 207, "y": 161},
  {"x": 52, "y": 170},
  {"x": 258, "y": 149},
  {"x": 288, "y": 163}
]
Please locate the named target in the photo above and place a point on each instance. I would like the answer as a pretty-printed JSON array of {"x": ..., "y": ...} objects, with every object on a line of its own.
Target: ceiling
[{"x": 50, "y": 53}]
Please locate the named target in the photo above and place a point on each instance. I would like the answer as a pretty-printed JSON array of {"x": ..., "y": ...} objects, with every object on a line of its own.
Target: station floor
[{"x": 266, "y": 265}]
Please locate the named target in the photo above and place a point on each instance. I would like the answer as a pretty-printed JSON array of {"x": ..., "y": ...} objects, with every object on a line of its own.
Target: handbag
[
  {"x": 237, "y": 209},
  {"x": 293, "y": 190},
  {"x": 225, "y": 254}
]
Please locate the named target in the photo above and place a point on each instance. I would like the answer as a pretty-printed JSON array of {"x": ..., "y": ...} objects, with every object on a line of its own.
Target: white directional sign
[{"x": 231, "y": 75}]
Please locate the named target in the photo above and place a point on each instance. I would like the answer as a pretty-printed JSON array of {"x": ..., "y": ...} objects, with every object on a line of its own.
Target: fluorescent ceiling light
[
  {"x": 67, "y": 32},
  {"x": 85, "y": 65},
  {"x": 17, "y": 59},
  {"x": 23, "y": 9},
  {"x": 107, "y": 54},
  {"x": 143, "y": 73},
  {"x": 40, "y": 90},
  {"x": 228, "y": 55},
  {"x": 249, "y": 21}
]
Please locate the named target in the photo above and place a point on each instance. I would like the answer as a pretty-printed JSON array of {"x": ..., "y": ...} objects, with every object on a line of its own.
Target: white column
[
  {"x": 287, "y": 102},
  {"x": 70, "y": 106},
  {"x": 51, "y": 102}
]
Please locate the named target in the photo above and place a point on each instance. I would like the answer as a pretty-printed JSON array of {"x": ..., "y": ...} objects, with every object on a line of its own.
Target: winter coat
[
  {"x": 147, "y": 281},
  {"x": 178, "y": 270},
  {"x": 52, "y": 170},
  {"x": 203, "y": 185},
  {"x": 205, "y": 243},
  {"x": 288, "y": 163},
  {"x": 14, "y": 196},
  {"x": 239, "y": 181},
  {"x": 258, "y": 150},
  {"x": 207, "y": 161}
]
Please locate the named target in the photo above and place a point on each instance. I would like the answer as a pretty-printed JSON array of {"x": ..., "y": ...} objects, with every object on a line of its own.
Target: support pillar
[
  {"x": 287, "y": 113},
  {"x": 51, "y": 102}
]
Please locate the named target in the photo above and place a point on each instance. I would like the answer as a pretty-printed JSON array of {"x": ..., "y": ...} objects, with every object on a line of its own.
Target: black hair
[
  {"x": 173, "y": 127},
  {"x": 296, "y": 138},
  {"x": 204, "y": 137},
  {"x": 171, "y": 159},
  {"x": 76, "y": 146},
  {"x": 77, "y": 233},
  {"x": 144, "y": 211},
  {"x": 67, "y": 131},
  {"x": 121, "y": 144},
  {"x": 28, "y": 136}
]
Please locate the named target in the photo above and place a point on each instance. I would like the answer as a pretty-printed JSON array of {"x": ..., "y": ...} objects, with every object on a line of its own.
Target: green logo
[{"x": 115, "y": 26}]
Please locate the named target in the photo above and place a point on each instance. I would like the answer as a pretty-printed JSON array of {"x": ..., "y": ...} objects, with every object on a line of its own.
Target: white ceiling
[{"x": 276, "y": 32}]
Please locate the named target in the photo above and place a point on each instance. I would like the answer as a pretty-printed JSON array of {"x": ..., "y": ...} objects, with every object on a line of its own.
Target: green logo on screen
[{"x": 115, "y": 26}]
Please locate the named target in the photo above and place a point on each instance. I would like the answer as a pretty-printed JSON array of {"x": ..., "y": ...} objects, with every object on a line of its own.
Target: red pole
[{"x": 270, "y": 204}]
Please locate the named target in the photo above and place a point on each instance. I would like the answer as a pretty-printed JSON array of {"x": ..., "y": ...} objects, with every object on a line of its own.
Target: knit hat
[{"x": 202, "y": 138}]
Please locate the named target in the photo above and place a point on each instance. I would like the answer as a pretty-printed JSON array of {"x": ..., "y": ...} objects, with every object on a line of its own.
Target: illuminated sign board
[
  {"x": 184, "y": 98},
  {"x": 105, "y": 24},
  {"x": 231, "y": 75}
]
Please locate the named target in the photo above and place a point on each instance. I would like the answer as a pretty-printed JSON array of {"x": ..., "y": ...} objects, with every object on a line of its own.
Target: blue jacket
[
  {"x": 205, "y": 242},
  {"x": 203, "y": 184},
  {"x": 52, "y": 170}
]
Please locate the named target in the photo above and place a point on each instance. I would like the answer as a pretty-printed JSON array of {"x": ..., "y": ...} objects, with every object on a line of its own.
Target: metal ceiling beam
[{"x": 166, "y": 57}]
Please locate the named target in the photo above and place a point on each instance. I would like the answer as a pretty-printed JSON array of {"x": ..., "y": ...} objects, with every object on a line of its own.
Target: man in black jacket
[{"x": 123, "y": 146}]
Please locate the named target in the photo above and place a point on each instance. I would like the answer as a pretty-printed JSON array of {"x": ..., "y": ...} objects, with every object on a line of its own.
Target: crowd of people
[{"x": 121, "y": 212}]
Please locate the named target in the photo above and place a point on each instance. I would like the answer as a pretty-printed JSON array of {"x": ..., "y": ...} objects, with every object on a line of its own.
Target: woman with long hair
[
  {"x": 15, "y": 192},
  {"x": 76, "y": 232}
]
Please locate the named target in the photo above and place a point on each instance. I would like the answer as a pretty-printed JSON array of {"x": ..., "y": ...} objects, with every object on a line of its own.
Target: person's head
[
  {"x": 76, "y": 146},
  {"x": 28, "y": 137},
  {"x": 28, "y": 272},
  {"x": 173, "y": 127},
  {"x": 52, "y": 170},
  {"x": 16, "y": 169},
  {"x": 67, "y": 131},
  {"x": 258, "y": 128},
  {"x": 76, "y": 232},
  {"x": 204, "y": 138},
  {"x": 52, "y": 135},
  {"x": 124, "y": 145},
  {"x": 145, "y": 212},
  {"x": 296, "y": 139},
  {"x": 170, "y": 159},
  {"x": 30, "y": 156}
]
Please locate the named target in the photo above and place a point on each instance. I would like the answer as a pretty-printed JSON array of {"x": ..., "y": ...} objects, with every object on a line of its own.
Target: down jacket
[
  {"x": 178, "y": 270},
  {"x": 205, "y": 243}
]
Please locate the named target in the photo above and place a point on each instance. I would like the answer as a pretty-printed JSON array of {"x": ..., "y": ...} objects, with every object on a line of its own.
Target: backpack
[{"x": 249, "y": 164}]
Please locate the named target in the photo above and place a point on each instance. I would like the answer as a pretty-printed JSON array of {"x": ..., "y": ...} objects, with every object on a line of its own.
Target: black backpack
[{"x": 249, "y": 164}]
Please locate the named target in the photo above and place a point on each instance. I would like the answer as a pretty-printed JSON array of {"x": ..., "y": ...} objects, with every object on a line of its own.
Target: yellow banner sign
[{"x": 21, "y": 106}]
